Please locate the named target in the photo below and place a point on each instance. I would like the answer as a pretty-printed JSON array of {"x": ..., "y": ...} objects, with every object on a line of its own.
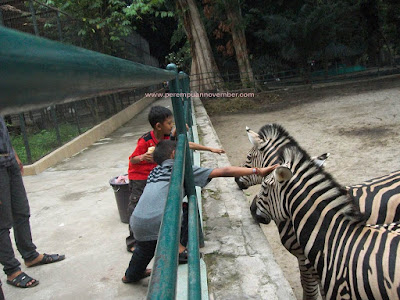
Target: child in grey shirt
[{"x": 146, "y": 218}]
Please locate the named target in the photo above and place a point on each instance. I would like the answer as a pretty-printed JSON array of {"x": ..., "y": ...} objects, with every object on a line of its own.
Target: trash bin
[{"x": 121, "y": 192}]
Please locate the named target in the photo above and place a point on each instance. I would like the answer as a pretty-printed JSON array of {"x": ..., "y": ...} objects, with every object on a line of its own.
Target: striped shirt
[
  {"x": 6, "y": 151},
  {"x": 146, "y": 218}
]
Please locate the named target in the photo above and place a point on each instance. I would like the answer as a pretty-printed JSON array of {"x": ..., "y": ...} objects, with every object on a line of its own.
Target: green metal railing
[
  {"x": 163, "y": 280},
  {"x": 36, "y": 72}
]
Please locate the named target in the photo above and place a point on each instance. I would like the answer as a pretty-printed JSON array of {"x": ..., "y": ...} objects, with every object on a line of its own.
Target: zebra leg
[{"x": 309, "y": 280}]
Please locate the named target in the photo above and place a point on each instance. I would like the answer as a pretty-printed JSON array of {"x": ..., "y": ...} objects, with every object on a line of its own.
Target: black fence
[
  {"x": 268, "y": 81},
  {"x": 36, "y": 133}
]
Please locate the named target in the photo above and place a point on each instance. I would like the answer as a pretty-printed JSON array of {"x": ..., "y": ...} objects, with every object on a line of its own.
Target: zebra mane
[
  {"x": 293, "y": 155},
  {"x": 273, "y": 131}
]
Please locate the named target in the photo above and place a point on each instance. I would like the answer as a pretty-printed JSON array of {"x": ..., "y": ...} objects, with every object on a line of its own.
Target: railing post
[
  {"x": 164, "y": 275},
  {"x": 60, "y": 36},
  {"x": 1, "y": 17},
  {"x": 194, "y": 277},
  {"x": 55, "y": 123},
  {"x": 33, "y": 13},
  {"x": 25, "y": 136},
  {"x": 76, "y": 115}
]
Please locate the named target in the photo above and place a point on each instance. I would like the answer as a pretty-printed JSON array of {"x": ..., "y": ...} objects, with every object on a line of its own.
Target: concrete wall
[{"x": 88, "y": 138}]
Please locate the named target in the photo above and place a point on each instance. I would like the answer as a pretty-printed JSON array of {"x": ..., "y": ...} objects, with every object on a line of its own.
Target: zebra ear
[
  {"x": 254, "y": 138},
  {"x": 282, "y": 174}
]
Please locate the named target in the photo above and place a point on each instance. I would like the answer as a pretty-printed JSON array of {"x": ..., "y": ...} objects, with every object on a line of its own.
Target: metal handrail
[
  {"x": 36, "y": 72},
  {"x": 163, "y": 279}
]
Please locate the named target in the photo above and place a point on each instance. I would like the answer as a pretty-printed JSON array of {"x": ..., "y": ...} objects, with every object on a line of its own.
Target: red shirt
[{"x": 142, "y": 170}]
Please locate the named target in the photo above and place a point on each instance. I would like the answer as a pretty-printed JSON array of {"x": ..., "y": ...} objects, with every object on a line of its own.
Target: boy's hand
[
  {"x": 265, "y": 171},
  {"x": 148, "y": 157},
  {"x": 216, "y": 150},
  {"x": 173, "y": 131}
]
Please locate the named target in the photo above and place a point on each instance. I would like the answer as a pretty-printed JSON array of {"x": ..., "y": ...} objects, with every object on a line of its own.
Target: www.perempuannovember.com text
[{"x": 201, "y": 95}]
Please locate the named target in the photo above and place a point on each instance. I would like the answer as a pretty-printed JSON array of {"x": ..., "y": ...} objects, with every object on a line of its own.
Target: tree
[
  {"x": 228, "y": 16},
  {"x": 370, "y": 12},
  {"x": 99, "y": 23},
  {"x": 239, "y": 41},
  {"x": 204, "y": 71}
]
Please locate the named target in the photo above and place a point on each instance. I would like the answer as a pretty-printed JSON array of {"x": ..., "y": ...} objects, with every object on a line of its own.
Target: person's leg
[
  {"x": 7, "y": 257},
  {"x": 1, "y": 292},
  {"x": 136, "y": 188},
  {"x": 141, "y": 257},
  {"x": 21, "y": 213}
]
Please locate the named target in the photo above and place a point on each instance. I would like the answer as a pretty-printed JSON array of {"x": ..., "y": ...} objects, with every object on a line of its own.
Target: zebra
[
  {"x": 273, "y": 137},
  {"x": 352, "y": 260},
  {"x": 378, "y": 198},
  {"x": 383, "y": 191},
  {"x": 265, "y": 155}
]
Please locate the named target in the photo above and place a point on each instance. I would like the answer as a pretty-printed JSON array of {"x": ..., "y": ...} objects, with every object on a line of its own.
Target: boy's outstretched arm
[
  {"x": 195, "y": 146},
  {"x": 241, "y": 171}
]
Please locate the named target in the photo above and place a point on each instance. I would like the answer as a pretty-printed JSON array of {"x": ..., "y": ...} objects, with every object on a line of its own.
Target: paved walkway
[{"x": 74, "y": 212}]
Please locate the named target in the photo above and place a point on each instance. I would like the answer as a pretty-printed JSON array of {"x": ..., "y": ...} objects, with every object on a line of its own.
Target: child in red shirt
[{"x": 141, "y": 160}]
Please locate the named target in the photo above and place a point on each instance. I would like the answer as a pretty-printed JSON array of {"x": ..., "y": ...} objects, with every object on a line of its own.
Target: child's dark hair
[
  {"x": 163, "y": 151},
  {"x": 158, "y": 114}
]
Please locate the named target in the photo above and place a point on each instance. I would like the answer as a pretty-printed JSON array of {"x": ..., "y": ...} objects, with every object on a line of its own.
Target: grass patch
[{"x": 43, "y": 142}]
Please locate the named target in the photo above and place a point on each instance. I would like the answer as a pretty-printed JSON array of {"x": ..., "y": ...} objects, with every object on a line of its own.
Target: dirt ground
[{"x": 359, "y": 124}]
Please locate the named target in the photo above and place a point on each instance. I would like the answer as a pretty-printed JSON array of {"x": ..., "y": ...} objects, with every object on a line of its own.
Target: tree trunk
[
  {"x": 204, "y": 72},
  {"x": 370, "y": 12},
  {"x": 239, "y": 42}
]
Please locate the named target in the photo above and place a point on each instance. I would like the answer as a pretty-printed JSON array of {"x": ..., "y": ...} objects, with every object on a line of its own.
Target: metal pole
[
  {"x": 77, "y": 118},
  {"x": 1, "y": 18},
  {"x": 114, "y": 102},
  {"x": 194, "y": 278},
  {"x": 60, "y": 37},
  {"x": 54, "y": 117},
  {"x": 25, "y": 136},
  {"x": 35, "y": 26}
]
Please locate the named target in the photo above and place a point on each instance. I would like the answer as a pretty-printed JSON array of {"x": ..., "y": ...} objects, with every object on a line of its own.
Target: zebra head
[
  {"x": 267, "y": 204},
  {"x": 258, "y": 214},
  {"x": 266, "y": 145}
]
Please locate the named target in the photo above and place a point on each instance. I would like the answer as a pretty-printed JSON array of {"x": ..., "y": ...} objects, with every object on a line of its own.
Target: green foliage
[
  {"x": 99, "y": 23},
  {"x": 182, "y": 58},
  {"x": 306, "y": 30},
  {"x": 43, "y": 142}
]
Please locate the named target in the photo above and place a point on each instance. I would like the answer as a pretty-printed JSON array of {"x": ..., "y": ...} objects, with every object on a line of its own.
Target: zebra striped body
[
  {"x": 353, "y": 261},
  {"x": 378, "y": 198}
]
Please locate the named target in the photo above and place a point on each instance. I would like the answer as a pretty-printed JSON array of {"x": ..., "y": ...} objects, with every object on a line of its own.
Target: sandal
[
  {"x": 146, "y": 273},
  {"x": 22, "y": 281},
  {"x": 48, "y": 259}
]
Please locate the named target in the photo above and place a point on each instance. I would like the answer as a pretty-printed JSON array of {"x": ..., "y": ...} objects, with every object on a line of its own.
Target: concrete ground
[{"x": 74, "y": 212}]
